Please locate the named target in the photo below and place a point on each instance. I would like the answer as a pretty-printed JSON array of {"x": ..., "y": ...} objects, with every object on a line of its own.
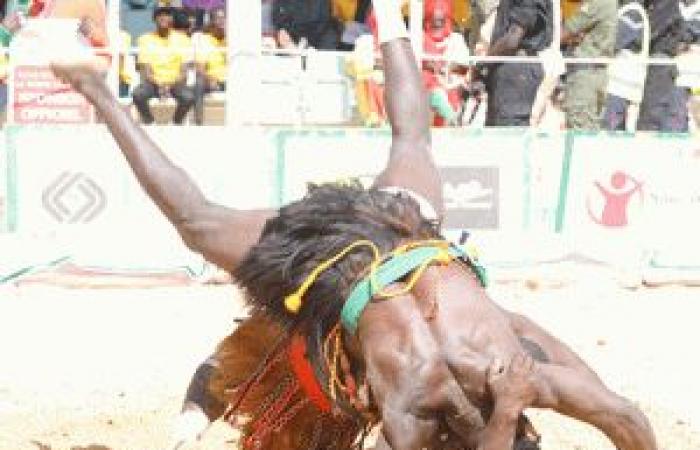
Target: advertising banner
[{"x": 35, "y": 95}]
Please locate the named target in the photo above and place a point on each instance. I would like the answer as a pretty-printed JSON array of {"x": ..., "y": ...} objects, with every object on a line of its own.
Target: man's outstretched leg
[{"x": 410, "y": 166}]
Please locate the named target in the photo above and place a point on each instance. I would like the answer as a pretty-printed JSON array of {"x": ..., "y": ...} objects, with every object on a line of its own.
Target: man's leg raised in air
[{"x": 410, "y": 164}]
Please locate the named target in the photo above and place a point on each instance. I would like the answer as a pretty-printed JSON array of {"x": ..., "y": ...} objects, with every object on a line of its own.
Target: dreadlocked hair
[{"x": 310, "y": 231}]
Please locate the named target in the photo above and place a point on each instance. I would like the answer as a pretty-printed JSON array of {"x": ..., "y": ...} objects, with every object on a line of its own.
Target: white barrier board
[
  {"x": 482, "y": 180},
  {"x": 74, "y": 187},
  {"x": 630, "y": 197}
]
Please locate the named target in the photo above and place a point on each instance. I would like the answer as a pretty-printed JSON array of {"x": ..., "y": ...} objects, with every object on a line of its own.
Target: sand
[{"x": 100, "y": 369}]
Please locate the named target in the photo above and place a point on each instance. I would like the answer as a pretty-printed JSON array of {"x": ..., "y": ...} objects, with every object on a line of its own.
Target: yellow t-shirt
[
  {"x": 125, "y": 46},
  {"x": 165, "y": 56},
  {"x": 212, "y": 52}
]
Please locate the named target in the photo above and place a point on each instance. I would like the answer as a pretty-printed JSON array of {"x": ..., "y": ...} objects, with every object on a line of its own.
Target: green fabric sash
[{"x": 392, "y": 270}]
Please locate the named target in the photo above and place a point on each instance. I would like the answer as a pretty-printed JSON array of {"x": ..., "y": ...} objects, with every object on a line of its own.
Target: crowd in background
[{"x": 184, "y": 59}]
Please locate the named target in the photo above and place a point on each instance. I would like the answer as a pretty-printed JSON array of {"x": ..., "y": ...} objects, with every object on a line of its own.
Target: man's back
[{"x": 447, "y": 322}]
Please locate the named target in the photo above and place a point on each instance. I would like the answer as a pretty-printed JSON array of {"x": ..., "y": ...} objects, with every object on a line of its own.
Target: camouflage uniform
[{"x": 586, "y": 84}]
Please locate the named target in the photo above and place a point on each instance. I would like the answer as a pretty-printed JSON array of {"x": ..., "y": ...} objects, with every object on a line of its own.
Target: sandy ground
[{"x": 100, "y": 369}]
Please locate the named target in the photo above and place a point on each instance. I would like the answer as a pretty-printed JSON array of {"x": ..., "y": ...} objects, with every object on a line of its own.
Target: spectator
[
  {"x": 185, "y": 21},
  {"x": 310, "y": 20},
  {"x": 440, "y": 42},
  {"x": 163, "y": 59},
  {"x": 664, "y": 105},
  {"x": 210, "y": 57},
  {"x": 521, "y": 28},
  {"x": 628, "y": 42},
  {"x": 369, "y": 81},
  {"x": 590, "y": 33}
]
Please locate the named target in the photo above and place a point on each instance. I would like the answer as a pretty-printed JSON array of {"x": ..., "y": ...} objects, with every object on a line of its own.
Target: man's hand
[{"x": 513, "y": 387}]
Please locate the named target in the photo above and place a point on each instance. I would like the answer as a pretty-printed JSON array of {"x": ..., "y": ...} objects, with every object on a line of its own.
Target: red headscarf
[{"x": 431, "y": 7}]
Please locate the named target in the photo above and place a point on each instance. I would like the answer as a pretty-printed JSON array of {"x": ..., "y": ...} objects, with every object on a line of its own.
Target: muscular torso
[{"x": 432, "y": 348}]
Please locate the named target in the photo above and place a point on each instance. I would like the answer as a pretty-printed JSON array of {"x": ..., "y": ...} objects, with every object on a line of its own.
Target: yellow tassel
[{"x": 293, "y": 303}]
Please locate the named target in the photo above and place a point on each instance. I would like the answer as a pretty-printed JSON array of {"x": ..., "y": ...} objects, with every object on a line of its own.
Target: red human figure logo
[{"x": 616, "y": 200}]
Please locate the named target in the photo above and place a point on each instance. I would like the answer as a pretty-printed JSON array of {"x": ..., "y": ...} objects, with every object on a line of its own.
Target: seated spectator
[
  {"x": 309, "y": 20},
  {"x": 444, "y": 87},
  {"x": 163, "y": 59},
  {"x": 210, "y": 58}
]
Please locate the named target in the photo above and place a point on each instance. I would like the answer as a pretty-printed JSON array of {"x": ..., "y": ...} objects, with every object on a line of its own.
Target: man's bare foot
[
  {"x": 514, "y": 386},
  {"x": 81, "y": 73}
]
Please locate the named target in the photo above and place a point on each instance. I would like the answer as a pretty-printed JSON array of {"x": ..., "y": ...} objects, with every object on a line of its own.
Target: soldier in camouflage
[{"x": 588, "y": 34}]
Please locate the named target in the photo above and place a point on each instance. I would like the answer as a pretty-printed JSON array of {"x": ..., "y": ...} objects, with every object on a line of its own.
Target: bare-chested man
[{"x": 457, "y": 345}]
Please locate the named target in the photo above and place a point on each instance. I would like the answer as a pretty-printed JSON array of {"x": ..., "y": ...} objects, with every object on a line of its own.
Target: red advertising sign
[{"x": 40, "y": 98}]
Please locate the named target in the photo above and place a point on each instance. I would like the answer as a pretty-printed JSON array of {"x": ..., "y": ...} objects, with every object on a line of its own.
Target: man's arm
[
  {"x": 222, "y": 235},
  {"x": 411, "y": 164}
]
